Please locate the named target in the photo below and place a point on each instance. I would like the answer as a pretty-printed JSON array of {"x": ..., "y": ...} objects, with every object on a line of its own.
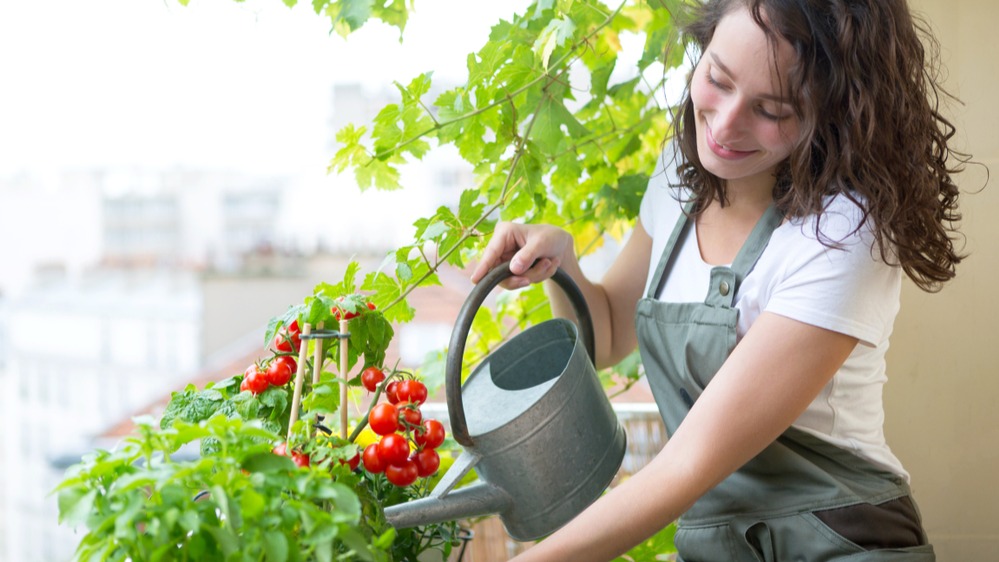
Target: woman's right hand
[{"x": 534, "y": 251}]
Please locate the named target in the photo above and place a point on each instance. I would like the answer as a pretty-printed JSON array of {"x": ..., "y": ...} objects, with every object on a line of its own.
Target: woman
[{"x": 810, "y": 173}]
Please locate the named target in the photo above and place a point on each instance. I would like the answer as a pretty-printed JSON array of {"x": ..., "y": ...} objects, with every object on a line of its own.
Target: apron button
[{"x": 723, "y": 288}]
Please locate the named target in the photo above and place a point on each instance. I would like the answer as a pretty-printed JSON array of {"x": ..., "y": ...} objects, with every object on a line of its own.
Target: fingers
[
  {"x": 531, "y": 250},
  {"x": 540, "y": 270},
  {"x": 502, "y": 247}
]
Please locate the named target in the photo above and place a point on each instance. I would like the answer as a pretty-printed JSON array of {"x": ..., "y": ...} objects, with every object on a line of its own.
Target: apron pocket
[
  {"x": 706, "y": 544},
  {"x": 793, "y": 537},
  {"x": 892, "y": 524}
]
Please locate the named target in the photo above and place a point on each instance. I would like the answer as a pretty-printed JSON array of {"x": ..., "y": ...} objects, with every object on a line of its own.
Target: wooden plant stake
[
  {"x": 303, "y": 355},
  {"x": 317, "y": 357},
  {"x": 344, "y": 338}
]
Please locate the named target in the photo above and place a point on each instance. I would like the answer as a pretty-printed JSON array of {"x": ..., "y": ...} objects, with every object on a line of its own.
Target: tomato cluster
[
  {"x": 300, "y": 459},
  {"x": 399, "y": 422},
  {"x": 337, "y": 311},
  {"x": 288, "y": 338},
  {"x": 281, "y": 368}
]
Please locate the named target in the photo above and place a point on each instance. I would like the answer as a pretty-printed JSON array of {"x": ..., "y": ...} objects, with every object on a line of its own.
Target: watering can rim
[{"x": 459, "y": 336}]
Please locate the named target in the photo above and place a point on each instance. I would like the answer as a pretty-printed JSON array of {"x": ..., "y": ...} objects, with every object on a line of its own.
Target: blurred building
[{"x": 159, "y": 278}]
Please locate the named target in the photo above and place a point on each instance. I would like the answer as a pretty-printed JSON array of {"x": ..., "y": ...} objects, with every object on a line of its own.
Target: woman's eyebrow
[{"x": 728, "y": 71}]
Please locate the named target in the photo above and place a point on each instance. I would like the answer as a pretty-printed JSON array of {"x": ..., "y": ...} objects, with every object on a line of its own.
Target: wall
[{"x": 941, "y": 399}]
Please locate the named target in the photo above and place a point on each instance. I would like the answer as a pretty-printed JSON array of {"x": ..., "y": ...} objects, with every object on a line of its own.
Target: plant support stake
[
  {"x": 303, "y": 355},
  {"x": 344, "y": 338}
]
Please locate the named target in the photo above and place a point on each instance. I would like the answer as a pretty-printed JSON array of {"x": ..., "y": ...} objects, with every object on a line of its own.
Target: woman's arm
[
  {"x": 777, "y": 369},
  {"x": 536, "y": 251}
]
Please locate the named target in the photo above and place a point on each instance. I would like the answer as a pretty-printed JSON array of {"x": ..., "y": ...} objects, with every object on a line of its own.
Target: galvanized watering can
[{"x": 534, "y": 422}]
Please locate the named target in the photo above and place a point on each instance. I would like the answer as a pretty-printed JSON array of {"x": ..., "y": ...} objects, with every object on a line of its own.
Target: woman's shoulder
[{"x": 842, "y": 221}]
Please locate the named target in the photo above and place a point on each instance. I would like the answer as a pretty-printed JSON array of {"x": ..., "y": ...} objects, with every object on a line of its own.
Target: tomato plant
[{"x": 258, "y": 401}]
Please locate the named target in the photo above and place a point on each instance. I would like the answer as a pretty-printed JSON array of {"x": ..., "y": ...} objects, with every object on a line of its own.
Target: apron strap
[
  {"x": 669, "y": 252},
  {"x": 726, "y": 280}
]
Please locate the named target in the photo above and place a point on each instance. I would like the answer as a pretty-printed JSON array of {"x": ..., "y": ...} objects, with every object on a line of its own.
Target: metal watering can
[{"x": 534, "y": 421}]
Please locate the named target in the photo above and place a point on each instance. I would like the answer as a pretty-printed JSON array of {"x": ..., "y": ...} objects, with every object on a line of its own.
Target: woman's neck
[{"x": 722, "y": 230}]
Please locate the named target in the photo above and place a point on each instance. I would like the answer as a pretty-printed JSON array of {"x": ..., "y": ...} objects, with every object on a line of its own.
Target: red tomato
[
  {"x": 372, "y": 462},
  {"x": 288, "y": 338},
  {"x": 301, "y": 460},
  {"x": 281, "y": 370},
  {"x": 393, "y": 449},
  {"x": 411, "y": 390},
  {"x": 430, "y": 435},
  {"x": 427, "y": 461},
  {"x": 370, "y": 378},
  {"x": 371, "y": 306},
  {"x": 411, "y": 416},
  {"x": 254, "y": 380},
  {"x": 337, "y": 311},
  {"x": 384, "y": 419},
  {"x": 403, "y": 474},
  {"x": 353, "y": 462},
  {"x": 390, "y": 392}
]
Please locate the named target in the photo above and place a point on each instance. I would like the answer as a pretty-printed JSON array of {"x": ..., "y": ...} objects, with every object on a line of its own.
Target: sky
[
  {"x": 140, "y": 85},
  {"x": 216, "y": 83}
]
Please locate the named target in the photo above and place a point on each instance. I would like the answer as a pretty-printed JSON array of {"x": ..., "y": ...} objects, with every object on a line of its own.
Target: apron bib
[{"x": 783, "y": 504}]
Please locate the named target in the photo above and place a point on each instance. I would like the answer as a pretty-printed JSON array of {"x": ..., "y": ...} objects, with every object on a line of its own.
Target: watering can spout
[{"x": 478, "y": 499}]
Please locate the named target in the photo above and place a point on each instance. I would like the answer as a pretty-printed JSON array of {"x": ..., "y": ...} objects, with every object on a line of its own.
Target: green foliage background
[{"x": 558, "y": 127}]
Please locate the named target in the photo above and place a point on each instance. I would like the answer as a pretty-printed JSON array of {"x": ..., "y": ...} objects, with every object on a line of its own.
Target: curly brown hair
[{"x": 865, "y": 89}]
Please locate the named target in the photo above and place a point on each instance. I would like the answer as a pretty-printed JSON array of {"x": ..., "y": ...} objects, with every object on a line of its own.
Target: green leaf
[
  {"x": 324, "y": 398},
  {"x": 352, "y": 153},
  {"x": 275, "y": 546},
  {"x": 267, "y": 463},
  {"x": 252, "y": 504},
  {"x": 548, "y": 130},
  {"x": 556, "y": 33},
  {"x": 75, "y": 505},
  {"x": 352, "y": 13}
]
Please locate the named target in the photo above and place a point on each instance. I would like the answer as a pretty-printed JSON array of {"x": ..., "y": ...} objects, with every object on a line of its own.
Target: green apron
[{"x": 774, "y": 508}]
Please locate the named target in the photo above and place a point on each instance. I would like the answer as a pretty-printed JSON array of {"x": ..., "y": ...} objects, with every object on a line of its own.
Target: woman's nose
[{"x": 728, "y": 122}]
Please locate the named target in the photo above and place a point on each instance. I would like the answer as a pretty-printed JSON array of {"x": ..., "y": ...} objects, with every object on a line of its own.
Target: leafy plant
[
  {"x": 144, "y": 502},
  {"x": 558, "y": 126}
]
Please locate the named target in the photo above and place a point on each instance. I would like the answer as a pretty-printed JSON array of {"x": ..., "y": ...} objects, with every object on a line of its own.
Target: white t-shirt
[{"x": 849, "y": 290}]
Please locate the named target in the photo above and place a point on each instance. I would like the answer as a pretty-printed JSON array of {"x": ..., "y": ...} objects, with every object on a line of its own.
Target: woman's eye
[
  {"x": 771, "y": 116},
  {"x": 712, "y": 81},
  {"x": 767, "y": 115}
]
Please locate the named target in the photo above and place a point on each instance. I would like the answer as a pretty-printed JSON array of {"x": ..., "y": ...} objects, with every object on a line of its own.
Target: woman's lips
[{"x": 723, "y": 152}]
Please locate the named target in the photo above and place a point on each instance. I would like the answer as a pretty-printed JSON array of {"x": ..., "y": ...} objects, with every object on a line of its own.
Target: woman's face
[{"x": 744, "y": 130}]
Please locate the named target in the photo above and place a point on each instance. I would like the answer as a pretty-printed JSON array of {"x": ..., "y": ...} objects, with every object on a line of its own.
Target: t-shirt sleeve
[{"x": 846, "y": 288}]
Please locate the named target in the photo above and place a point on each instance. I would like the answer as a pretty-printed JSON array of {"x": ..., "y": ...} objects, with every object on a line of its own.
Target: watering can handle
[{"x": 456, "y": 349}]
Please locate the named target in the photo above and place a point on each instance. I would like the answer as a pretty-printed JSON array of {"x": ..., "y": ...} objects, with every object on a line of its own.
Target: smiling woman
[
  {"x": 810, "y": 170},
  {"x": 744, "y": 122}
]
